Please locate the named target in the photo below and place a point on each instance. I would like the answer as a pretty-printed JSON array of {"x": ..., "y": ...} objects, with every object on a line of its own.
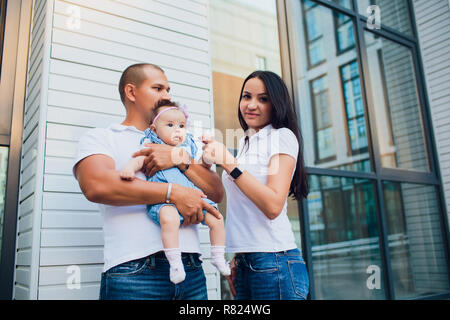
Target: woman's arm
[{"x": 270, "y": 197}]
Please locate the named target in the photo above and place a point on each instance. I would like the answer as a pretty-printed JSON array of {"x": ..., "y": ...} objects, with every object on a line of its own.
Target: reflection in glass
[
  {"x": 393, "y": 14},
  {"x": 244, "y": 38},
  {"x": 344, "y": 3},
  {"x": 344, "y": 29},
  {"x": 397, "y": 108},
  {"x": 314, "y": 33},
  {"x": 3, "y": 175},
  {"x": 333, "y": 117},
  {"x": 416, "y": 249},
  {"x": 354, "y": 107},
  {"x": 344, "y": 237},
  {"x": 323, "y": 121}
]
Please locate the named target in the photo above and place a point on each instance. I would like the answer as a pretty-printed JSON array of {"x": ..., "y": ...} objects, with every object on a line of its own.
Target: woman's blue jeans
[
  {"x": 148, "y": 278},
  {"x": 271, "y": 276}
]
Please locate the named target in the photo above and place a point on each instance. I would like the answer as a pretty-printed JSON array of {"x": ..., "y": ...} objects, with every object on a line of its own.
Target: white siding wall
[
  {"x": 433, "y": 24},
  {"x": 90, "y": 44}
]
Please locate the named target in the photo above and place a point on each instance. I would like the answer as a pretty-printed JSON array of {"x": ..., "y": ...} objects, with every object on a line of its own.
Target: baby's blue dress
[{"x": 173, "y": 174}]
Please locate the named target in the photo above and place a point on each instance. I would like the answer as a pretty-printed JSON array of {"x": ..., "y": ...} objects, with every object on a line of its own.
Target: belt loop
[
  {"x": 152, "y": 261},
  {"x": 191, "y": 257}
]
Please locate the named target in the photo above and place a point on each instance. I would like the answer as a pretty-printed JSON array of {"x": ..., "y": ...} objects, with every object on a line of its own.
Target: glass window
[
  {"x": 344, "y": 237},
  {"x": 397, "y": 108},
  {"x": 314, "y": 33},
  {"x": 344, "y": 3},
  {"x": 416, "y": 249},
  {"x": 323, "y": 121},
  {"x": 393, "y": 14},
  {"x": 3, "y": 176},
  {"x": 332, "y": 115},
  {"x": 244, "y": 38},
  {"x": 354, "y": 108},
  {"x": 344, "y": 29}
]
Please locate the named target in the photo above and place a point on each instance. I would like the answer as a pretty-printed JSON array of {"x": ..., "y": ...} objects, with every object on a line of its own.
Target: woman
[{"x": 269, "y": 168}]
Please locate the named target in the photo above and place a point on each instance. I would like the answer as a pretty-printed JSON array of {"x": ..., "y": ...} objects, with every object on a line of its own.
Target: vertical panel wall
[
  {"x": 25, "y": 286},
  {"x": 89, "y": 44},
  {"x": 433, "y": 27}
]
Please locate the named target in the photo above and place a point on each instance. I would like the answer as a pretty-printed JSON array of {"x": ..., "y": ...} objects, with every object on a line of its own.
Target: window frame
[{"x": 3, "y": 4}]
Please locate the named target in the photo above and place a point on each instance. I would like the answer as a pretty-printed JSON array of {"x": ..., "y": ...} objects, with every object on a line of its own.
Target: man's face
[{"x": 153, "y": 89}]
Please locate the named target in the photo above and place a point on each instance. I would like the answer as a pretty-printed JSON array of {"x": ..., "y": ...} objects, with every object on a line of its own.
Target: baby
[{"x": 169, "y": 127}]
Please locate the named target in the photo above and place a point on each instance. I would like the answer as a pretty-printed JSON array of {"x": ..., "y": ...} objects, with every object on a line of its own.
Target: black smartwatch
[{"x": 235, "y": 173}]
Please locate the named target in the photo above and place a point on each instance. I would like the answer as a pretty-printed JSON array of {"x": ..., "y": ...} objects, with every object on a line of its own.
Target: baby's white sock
[
  {"x": 218, "y": 260},
  {"x": 177, "y": 273}
]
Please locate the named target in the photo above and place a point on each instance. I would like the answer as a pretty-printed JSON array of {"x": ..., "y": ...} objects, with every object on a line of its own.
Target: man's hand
[
  {"x": 160, "y": 157},
  {"x": 190, "y": 204}
]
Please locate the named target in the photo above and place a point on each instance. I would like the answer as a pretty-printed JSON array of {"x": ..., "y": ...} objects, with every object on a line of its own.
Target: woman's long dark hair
[{"x": 283, "y": 116}]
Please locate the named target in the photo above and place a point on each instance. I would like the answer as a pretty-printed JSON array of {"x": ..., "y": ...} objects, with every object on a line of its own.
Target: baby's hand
[{"x": 127, "y": 174}]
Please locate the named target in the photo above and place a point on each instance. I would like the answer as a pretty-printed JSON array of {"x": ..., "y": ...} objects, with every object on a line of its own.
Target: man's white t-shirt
[
  {"x": 247, "y": 228},
  {"x": 129, "y": 233}
]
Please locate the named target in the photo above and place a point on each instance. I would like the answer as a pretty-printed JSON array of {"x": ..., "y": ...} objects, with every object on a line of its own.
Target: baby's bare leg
[
  {"x": 170, "y": 226},
  {"x": 217, "y": 236},
  {"x": 216, "y": 229}
]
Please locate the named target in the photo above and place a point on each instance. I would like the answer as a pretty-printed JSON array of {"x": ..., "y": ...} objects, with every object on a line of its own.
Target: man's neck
[{"x": 135, "y": 120}]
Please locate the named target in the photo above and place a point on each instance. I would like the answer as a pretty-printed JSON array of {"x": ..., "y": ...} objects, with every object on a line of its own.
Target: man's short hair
[{"x": 134, "y": 74}]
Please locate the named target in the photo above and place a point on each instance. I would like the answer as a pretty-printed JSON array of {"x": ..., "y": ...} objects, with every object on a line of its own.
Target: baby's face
[{"x": 171, "y": 127}]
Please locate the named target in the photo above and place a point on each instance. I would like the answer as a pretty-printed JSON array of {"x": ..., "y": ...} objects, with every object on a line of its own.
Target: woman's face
[{"x": 255, "y": 106}]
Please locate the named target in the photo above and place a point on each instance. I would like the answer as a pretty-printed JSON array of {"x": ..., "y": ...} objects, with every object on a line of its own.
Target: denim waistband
[
  {"x": 184, "y": 255},
  {"x": 291, "y": 252}
]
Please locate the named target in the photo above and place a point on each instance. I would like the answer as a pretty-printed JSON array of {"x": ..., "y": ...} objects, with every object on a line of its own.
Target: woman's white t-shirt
[{"x": 247, "y": 228}]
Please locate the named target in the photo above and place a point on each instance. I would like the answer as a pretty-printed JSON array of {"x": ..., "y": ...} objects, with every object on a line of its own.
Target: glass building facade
[{"x": 372, "y": 226}]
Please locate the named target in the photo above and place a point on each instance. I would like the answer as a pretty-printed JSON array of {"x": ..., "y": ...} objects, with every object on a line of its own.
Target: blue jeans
[
  {"x": 271, "y": 276},
  {"x": 148, "y": 279}
]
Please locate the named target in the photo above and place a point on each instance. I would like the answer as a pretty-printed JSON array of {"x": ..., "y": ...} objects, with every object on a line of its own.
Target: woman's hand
[
  {"x": 216, "y": 152},
  {"x": 232, "y": 278}
]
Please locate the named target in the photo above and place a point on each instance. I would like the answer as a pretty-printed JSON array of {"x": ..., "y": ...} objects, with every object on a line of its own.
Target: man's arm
[
  {"x": 101, "y": 183},
  {"x": 160, "y": 157}
]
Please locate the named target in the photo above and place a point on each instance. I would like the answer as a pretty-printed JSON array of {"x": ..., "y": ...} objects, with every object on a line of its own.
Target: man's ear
[{"x": 129, "y": 91}]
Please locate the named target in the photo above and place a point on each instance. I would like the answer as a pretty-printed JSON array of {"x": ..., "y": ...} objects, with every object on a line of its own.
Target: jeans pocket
[
  {"x": 193, "y": 263},
  {"x": 128, "y": 268},
  {"x": 262, "y": 262},
  {"x": 299, "y": 277}
]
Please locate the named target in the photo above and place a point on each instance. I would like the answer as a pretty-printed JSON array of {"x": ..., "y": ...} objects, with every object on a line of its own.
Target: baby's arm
[{"x": 134, "y": 165}]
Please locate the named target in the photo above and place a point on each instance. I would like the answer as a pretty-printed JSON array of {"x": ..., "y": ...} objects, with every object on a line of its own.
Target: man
[{"x": 135, "y": 266}]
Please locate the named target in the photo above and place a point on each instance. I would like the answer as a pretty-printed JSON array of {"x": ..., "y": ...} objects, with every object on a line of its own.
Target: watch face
[{"x": 235, "y": 173}]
